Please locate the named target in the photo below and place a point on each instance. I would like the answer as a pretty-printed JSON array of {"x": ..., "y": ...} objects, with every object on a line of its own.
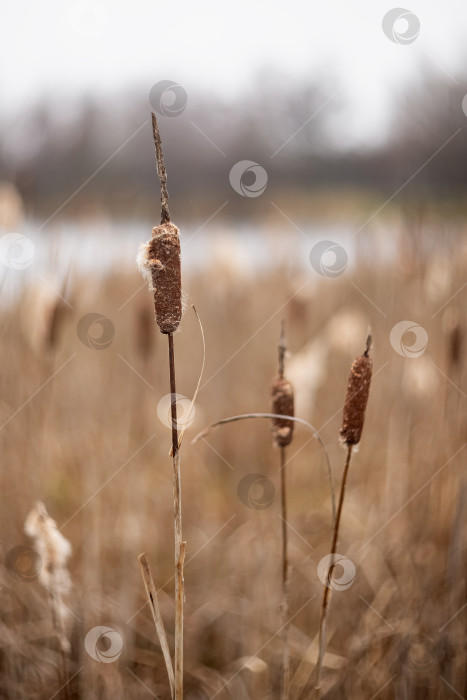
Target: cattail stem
[
  {"x": 282, "y": 349},
  {"x": 324, "y": 604},
  {"x": 285, "y": 583},
  {"x": 284, "y": 517},
  {"x": 179, "y": 545},
  {"x": 179, "y": 599},
  {"x": 173, "y": 397}
]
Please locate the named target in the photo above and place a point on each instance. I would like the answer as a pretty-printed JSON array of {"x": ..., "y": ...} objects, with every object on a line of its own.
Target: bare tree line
[{"x": 53, "y": 147}]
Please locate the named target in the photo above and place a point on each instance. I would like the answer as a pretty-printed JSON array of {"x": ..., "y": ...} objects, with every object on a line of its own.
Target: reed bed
[{"x": 88, "y": 446}]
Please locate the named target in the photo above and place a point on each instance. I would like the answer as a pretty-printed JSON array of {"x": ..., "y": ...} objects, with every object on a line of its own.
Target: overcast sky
[{"x": 68, "y": 47}]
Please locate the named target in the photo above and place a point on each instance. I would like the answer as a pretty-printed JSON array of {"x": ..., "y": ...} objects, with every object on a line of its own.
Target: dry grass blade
[
  {"x": 247, "y": 416},
  {"x": 156, "y": 614},
  {"x": 195, "y": 395}
]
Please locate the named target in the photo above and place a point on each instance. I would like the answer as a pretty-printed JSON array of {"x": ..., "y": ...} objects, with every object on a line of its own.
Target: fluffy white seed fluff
[
  {"x": 145, "y": 264},
  {"x": 54, "y": 550}
]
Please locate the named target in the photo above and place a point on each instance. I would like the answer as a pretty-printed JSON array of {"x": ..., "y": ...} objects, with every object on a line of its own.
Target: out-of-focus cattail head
[
  {"x": 159, "y": 262},
  {"x": 54, "y": 551},
  {"x": 144, "y": 332},
  {"x": 52, "y": 547},
  {"x": 282, "y": 401},
  {"x": 455, "y": 339},
  {"x": 455, "y": 344},
  {"x": 358, "y": 388}
]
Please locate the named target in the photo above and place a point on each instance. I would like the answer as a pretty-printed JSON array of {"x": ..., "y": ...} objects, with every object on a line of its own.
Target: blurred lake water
[{"x": 103, "y": 247}]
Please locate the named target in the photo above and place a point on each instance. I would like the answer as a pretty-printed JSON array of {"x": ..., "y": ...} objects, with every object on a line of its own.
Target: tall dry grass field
[{"x": 81, "y": 433}]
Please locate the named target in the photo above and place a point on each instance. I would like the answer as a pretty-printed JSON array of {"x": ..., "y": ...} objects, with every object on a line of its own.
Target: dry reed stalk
[
  {"x": 156, "y": 614},
  {"x": 282, "y": 404},
  {"x": 358, "y": 388},
  {"x": 159, "y": 261}
]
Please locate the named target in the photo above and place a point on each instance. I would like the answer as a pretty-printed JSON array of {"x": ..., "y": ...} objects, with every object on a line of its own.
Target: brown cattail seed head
[
  {"x": 159, "y": 260},
  {"x": 358, "y": 388},
  {"x": 282, "y": 402}
]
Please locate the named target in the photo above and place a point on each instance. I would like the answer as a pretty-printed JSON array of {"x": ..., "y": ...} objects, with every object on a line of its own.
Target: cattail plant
[
  {"x": 282, "y": 404},
  {"x": 358, "y": 388},
  {"x": 455, "y": 347},
  {"x": 54, "y": 551},
  {"x": 159, "y": 261}
]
